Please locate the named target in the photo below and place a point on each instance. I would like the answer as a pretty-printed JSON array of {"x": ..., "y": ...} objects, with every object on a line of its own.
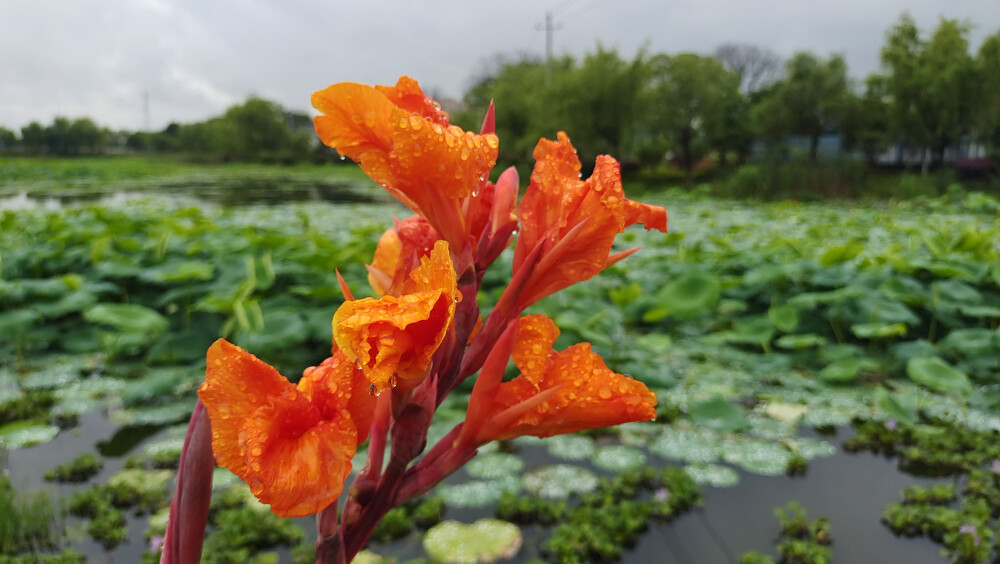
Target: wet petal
[{"x": 397, "y": 337}]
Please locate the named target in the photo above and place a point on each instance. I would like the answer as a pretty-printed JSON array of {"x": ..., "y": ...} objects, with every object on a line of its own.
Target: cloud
[{"x": 194, "y": 58}]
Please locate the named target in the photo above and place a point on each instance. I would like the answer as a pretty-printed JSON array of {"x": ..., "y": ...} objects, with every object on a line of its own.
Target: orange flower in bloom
[
  {"x": 291, "y": 444},
  {"x": 574, "y": 221},
  {"x": 393, "y": 339},
  {"x": 403, "y": 141},
  {"x": 398, "y": 252},
  {"x": 558, "y": 392}
]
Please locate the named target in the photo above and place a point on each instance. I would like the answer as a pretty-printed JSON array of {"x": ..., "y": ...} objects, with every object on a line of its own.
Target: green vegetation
[
  {"x": 80, "y": 469},
  {"x": 800, "y": 541},
  {"x": 750, "y": 324},
  {"x": 28, "y": 523}
]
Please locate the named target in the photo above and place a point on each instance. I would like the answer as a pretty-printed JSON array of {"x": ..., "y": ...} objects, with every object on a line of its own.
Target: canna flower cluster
[{"x": 395, "y": 357}]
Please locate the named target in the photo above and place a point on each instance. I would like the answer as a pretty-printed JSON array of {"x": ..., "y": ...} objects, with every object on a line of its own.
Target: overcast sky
[{"x": 194, "y": 58}]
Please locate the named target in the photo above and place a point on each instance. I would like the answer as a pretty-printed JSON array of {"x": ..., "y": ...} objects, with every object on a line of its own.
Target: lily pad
[
  {"x": 484, "y": 541},
  {"x": 154, "y": 415},
  {"x": 803, "y": 341},
  {"x": 617, "y": 458},
  {"x": 131, "y": 318},
  {"x": 756, "y": 456},
  {"x": 784, "y": 317},
  {"x": 571, "y": 447},
  {"x": 938, "y": 375},
  {"x": 687, "y": 445},
  {"x": 559, "y": 481},
  {"x": 845, "y": 370},
  {"x": 495, "y": 465},
  {"x": 713, "y": 475},
  {"x": 477, "y": 493},
  {"x": 685, "y": 297},
  {"x": 718, "y": 414},
  {"x": 26, "y": 433}
]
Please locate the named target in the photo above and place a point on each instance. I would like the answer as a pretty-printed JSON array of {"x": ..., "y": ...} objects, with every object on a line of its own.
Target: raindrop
[
  {"x": 393, "y": 381},
  {"x": 256, "y": 451},
  {"x": 373, "y": 390},
  {"x": 604, "y": 392}
]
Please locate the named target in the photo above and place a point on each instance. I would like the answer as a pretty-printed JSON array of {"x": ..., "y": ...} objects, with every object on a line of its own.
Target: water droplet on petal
[
  {"x": 604, "y": 392},
  {"x": 373, "y": 390},
  {"x": 393, "y": 381}
]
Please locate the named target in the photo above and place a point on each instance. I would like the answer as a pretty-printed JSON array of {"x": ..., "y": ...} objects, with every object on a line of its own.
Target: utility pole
[
  {"x": 145, "y": 110},
  {"x": 549, "y": 28}
]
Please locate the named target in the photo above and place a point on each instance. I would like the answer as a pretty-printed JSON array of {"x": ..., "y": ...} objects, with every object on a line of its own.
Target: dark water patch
[
  {"x": 125, "y": 440},
  {"x": 229, "y": 192}
]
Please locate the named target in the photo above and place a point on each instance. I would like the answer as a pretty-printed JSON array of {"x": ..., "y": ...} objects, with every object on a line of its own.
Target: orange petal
[
  {"x": 296, "y": 462},
  {"x": 535, "y": 337},
  {"x": 337, "y": 384},
  {"x": 575, "y": 222},
  {"x": 585, "y": 394},
  {"x": 403, "y": 141},
  {"x": 397, "y": 337},
  {"x": 236, "y": 383},
  {"x": 399, "y": 252},
  {"x": 275, "y": 437},
  {"x": 407, "y": 94}
]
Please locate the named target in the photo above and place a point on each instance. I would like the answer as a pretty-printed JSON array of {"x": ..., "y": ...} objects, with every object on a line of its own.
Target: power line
[{"x": 549, "y": 28}]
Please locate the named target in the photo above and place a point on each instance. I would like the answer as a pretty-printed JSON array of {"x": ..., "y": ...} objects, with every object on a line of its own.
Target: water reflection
[{"x": 229, "y": 192}]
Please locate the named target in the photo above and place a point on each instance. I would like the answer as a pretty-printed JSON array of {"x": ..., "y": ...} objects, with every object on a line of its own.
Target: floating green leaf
[
  {"x": 845, "y": 370},
  {"x": 477, "y": 493},
  {"x": 784, "y": 317},
  {"x": 26, "y": 433},
  {"x": 803, "y": 341},
  {"x": 570, "y": 447},
  {"x": 718, "y": 414},
  {"x": 559, "y": 481},
  {"x": 938, "y": 375},
  {"x": 495, "y": 465},
  {"x": 617, "y": 458},
  {"x": 714, "y": 475},
  {"x": 484, "y": 541},
  {"x": 687, "y": 296},
  {"x": 131, "y": 318}
]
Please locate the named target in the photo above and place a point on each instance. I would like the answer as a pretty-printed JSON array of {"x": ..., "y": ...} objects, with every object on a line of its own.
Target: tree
[
  {"x": 8, "y": 139},
  {"x": 84, "y": 134},
  {"x": 756, "y": 67},
  {"x": 597, "y": 102},
  {"x": 930, "y": 85},
  {"x": 814, "y": 98},
  {"x": 689, "y": 97},
  {"x": 866, "y": 125},
  {"x": 987, "y": 111},
  {"x": 33, "y": 137}
]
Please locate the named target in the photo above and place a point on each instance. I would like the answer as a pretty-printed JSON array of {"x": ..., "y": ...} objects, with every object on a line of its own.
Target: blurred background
[{"x": 848, "y": 94}]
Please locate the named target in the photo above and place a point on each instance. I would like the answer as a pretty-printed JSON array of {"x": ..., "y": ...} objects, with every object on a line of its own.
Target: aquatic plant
[{"x": 396, "y": 357}]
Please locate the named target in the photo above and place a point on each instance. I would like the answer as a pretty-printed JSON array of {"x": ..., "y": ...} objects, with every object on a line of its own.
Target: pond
[{"x": 794, "y": 337}]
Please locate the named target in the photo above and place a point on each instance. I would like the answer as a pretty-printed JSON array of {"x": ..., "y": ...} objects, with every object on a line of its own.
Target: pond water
[
  {"x": 851, "y": 490},
  {"x": 237, "y": 191}
]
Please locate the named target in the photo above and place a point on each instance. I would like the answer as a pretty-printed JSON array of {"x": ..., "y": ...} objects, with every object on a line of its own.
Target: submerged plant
[{"x": 395, "y": 358}]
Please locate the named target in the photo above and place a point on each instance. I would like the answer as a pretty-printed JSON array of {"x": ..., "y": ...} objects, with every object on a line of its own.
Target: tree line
[
  {"x": 932, "y": 94},
  {"x": 254, "y": 130}
]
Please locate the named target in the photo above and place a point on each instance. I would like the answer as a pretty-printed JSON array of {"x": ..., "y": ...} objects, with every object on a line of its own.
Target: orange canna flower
[
  {"x": 403, "y": 141},
  {"x": 291, "y": 444},
  {"x": 393, "y": 339},
  {"x": 399, "y": 251},
  {"x": 574, "y": 221},
  {"x": 556, "y": 392}
]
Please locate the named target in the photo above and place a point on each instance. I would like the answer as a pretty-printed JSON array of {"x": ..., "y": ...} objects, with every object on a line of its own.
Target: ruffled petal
[
  {"x": 296, "y": 462},
  {"x": 575, "y": 222},
  {"x": 394, "y": 339},
  {"x": 293, "y": 452},
  {"x": 532, "y": 350},
  {"x": 577, "y": 390},
  {"x": 338, "y": 384},
  {"x": 236, "y": 383}
]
